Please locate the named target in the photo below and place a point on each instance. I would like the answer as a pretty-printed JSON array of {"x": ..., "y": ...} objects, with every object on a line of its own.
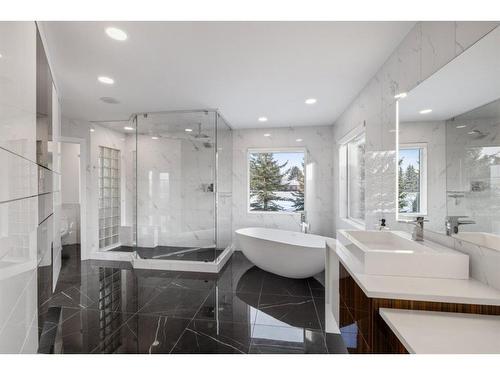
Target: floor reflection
[{"x": 110, "y": 308}]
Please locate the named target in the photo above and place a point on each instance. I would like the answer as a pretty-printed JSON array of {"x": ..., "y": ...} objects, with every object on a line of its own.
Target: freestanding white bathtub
[{"x": 285, "y": 253}]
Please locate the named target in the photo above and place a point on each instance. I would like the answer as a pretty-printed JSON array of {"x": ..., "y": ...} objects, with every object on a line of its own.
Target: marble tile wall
[
  {"x": 175, "y": 203},
  {"x": 318, "y": 142},
  {"x": 465, "y": 169},
  {"x": 19, "y": 189},
  {"x": 425, "y": 49}
]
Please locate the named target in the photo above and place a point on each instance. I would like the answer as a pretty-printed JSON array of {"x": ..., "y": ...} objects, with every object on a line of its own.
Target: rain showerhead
[
  {"x": 200, "y": 135},
  {"x": 478, "y": 134}
]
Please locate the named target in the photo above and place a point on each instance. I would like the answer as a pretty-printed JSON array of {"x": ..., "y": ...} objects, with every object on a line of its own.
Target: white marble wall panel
[
  {"x": 18, "y": 212},
  {"x": 317, "y": 141},
  {"x": 18, "y": 264},
  {"x": 438, "y": 46},
  {"x": 426, "y": 48},
  {"x": 18, "y": 176},
  {"x": 17, "y": 91},
  {"x": 174, "y": 202},
  {"x": 469, "y": 32}
]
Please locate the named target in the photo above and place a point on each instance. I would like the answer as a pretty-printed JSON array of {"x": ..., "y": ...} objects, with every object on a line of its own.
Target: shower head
[
  {"x": 200, "y": 135},
  {"x": 478, "y": 134}
]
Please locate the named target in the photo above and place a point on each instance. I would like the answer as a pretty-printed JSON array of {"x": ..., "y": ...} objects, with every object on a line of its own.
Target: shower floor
[{"x": 204, "y": 254}]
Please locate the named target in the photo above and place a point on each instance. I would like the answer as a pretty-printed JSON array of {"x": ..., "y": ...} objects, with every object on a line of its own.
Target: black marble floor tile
[
  {"x": 275, "y": 284},
  {"x": 210, "y": 337},
  {"x": 319, "y": 304},
  {"x": 286, "y": 340},
  {"x": 276, "y": 310},
  {"x": 71, "y": 295},
  {"x": 48, "y": 335},
  {"x": 194, "y": 280},
  {"x": 251, "y": 281},
  {"x": 83, "y": 330},
  {"x": 109, "y": 307},
  {"x": 173, "y": 252},
  {"x": 145, "y": 334},
  {"x": 227, "y": 306},
  {"x": 176, "y": 302}
]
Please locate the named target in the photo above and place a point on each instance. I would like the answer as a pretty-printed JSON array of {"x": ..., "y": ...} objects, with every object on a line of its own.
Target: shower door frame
[{"x": 182, "y": 265}]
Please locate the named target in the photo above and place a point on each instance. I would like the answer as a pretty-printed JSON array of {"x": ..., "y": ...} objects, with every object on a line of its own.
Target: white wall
[
  {"x": 318, "y": 142},
  {"x": 70, "y": 172},
  {"x": 426, "y": 48},
  {"x": 70, "y": 191},
  {"x": 18, "y": 189}
]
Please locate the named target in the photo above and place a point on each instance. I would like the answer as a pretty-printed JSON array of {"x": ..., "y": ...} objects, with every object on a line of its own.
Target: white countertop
[
  {"x": 429, "y": 332},
  {"x": 468, "y": 291}
]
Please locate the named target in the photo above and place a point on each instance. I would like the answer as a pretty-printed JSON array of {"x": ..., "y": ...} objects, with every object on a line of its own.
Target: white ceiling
[
  {"x": 245, "y": 69},
  {"x": 469, "y": 81}
]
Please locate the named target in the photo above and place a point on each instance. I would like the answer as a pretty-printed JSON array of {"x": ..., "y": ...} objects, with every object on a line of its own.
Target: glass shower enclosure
[{"x": 183, "y": 164}]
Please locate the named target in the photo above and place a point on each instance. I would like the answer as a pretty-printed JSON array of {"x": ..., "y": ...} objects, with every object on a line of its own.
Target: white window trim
[
  {"x": 344, "y": 177},
  {"x": 423, "y": 178},
  {"x": 270, "y": 150}
]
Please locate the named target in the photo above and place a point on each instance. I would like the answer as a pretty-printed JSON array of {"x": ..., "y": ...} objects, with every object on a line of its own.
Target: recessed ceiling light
[
  {"x": 298, "y": 140},
  {"x": 128, "y": 128},
  {"x": 92, "y": 130},
  {"x": 401, "y": 95},
  {"x": 262, "y": 119},
  {"x": 109, "y": 100},
  {"x": 106, "y": 80},
  {"x": 461, "y": 126},
  {"x": 154, "y": 137},
  {"x": 1, "y": 55},
  {"x": 425, "y": 111},
  {"x": 311, "y": 101},
  {"x": 188, "y": 130},
  {"x": 267, "y": 135},
  {"x": 116, "y": 34}
]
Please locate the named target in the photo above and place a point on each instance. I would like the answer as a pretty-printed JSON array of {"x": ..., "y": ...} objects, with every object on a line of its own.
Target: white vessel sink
[
  {"x": 393, "y": 253},
  {"x": 480, "y": 238}
]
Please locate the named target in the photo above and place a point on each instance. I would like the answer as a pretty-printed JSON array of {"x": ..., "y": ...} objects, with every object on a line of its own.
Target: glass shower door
[{"x": 176, "y": 186}]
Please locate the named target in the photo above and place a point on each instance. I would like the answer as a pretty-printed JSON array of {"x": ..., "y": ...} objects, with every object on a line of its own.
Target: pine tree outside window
[
  {"x": 276, "y": 180},
  {"x": 412, "y": 179}
]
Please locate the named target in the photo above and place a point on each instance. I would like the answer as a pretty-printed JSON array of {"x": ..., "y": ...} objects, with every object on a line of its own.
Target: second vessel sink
[{"x": 392, "y": 253}]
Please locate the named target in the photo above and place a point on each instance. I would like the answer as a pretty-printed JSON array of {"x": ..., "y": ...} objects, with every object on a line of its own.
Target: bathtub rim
[{"x": 319, "y": 242}]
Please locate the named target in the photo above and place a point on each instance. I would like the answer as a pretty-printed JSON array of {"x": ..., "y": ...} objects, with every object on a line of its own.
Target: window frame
[
  {"x": 423, "y": 174},
  {"x": 275, "y": 150},
  {"x": 343, "y": 176},
  {"x": 348, "y": 210}
]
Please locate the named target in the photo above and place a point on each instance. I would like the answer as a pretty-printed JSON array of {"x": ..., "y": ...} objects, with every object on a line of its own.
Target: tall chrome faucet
[
  {"x": 304, "y": 225},
  {"x": 418, "y": 231},
  {"x": 453, "y": 222}
]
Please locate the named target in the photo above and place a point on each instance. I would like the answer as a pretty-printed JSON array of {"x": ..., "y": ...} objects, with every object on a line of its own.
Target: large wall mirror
[{"x": 448, "y": 147}]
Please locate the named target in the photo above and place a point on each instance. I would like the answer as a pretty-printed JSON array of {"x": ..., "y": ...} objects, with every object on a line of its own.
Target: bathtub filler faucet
[
  {"x": 382, "y": 225},
  {"x": 304, "y": 225},
  {"x": 453, "y": 222},
  {"x": 418, "y": 231}
]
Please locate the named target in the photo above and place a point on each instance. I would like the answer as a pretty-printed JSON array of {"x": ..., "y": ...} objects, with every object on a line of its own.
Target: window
[
  {"x": 355, "y": 162},
  {"x": 109, "y": 197},
  {"x": 412, "y": 179},
  {"x": 276, "y": 181}
]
